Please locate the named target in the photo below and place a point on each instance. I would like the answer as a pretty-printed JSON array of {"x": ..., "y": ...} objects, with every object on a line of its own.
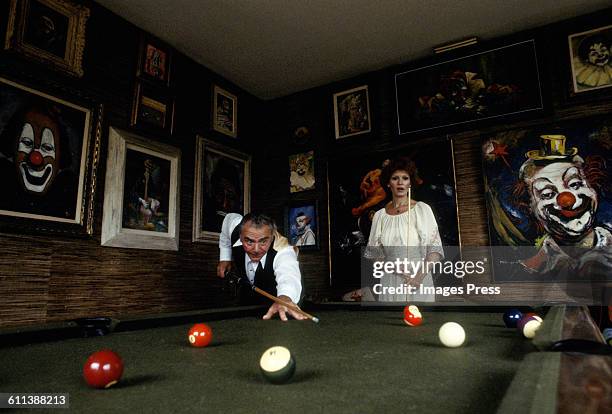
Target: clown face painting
[
  {"x": 44, "y": 143},
  {"x": 591, "y": 59},
  {"x": 548, "y": 197}
]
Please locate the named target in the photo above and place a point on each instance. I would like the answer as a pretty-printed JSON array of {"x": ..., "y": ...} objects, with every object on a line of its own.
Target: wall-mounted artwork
[
  {"x": 352, "y": 112},
  {"x": 302, "y": 225},
  {"x": 485, "y": 85},
  {"x": 591, "y": 59},
  {"x": 153, "y": 108},
  {"x": 225, "y": 112},
  {"x": 301, "y": 172},
  {"x": 222, "y": 186},
  {"x": 49, "y": 149},
  {"x": 154, "y": 61},
  {"x": 356, "y": 193},
  {"x": 141, "y": 198},
  {"x": 49, "y": 31},
  {"x": 549, "y": 200}
]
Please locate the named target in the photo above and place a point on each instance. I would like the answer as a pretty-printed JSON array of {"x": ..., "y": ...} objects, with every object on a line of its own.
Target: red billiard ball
[
  {"x": 200, "y": 335},
  {"x": 412, "y": 316},
  {"x": 103, "y": 369}
]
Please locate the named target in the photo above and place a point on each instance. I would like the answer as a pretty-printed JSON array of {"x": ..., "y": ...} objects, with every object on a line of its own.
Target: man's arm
[
  {"x": 288, "y": 284},
  {"x": 225, "y": 242}
]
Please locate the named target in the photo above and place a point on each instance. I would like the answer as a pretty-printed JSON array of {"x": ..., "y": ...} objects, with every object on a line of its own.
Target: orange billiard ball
[
  {"x": 103, "y": 369},
  {"x": 412, "y": 316},
  {"x": 200, "y": 335}
]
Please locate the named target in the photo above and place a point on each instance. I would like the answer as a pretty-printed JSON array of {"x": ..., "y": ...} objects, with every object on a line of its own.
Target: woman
[{"x": 404, "y": 228}]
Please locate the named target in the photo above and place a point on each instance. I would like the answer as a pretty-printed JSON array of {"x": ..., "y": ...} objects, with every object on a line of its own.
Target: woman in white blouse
[{"x": 404, "y": 228}]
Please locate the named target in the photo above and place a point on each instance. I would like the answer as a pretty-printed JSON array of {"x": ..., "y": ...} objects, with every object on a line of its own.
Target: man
[
  {"x": 255, "y": 250},
  {"x": 304, "y": 236}
]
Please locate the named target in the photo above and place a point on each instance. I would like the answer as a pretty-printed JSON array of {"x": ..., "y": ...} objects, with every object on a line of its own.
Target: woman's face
[{"x": 399, "y": 183}]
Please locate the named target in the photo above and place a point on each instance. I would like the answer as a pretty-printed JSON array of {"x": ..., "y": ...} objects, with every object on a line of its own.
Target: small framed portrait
[
  {"x": 49, "y": 31},
  {"x": 155, "y": 59},
  {"x": 301, "y": 172},
  {"x": 591, "y": 59},
  {"x": 302, "y": 225},
  {"x": 222, "y": 186},
  {"x": 153, "y": 108},
  {"x": 49, "y": 151},
  {"x": 352, "y": 112},
  {"x": 225, "y": 112},
  {"x": 141, "y": 197}
]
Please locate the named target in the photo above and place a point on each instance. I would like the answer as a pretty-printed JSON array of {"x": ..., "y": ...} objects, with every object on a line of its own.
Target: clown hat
[{"x": 552, "y": 147}]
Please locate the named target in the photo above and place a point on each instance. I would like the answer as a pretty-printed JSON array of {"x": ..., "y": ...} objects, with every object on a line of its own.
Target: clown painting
[
  {"x": 548, "y": 196},
  {"x": 43, "y": 147}
]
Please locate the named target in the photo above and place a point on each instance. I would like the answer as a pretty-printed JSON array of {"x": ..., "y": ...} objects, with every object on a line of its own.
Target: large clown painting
[
  {"x": 356, "y": 193},
  {"x": 549, "y": 199}
]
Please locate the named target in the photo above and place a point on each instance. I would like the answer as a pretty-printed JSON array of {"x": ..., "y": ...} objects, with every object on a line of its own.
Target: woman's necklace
[{"x": 398, "y": 206}]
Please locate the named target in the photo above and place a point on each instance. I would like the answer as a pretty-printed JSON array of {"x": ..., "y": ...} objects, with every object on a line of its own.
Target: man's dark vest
[{"x": 264, "y": 276}]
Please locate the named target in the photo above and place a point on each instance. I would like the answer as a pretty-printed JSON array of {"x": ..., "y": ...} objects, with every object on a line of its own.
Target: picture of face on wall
[
  {"x": 301, "y": 172},
  {"x": 224, "y": 116},
  {"x": 591, "y": 59},
  {"x": 146, "y": 192},
  {"x": 46, "y": 29},
  {"x": 356, "y": 193},
  {"x": 352, "y": 112},
  {"x": 43, "y": 147},
  {"x": 548, "y": 196},
  {"x": 302, "y": 223},
  {"x": 223, "y": 189}
]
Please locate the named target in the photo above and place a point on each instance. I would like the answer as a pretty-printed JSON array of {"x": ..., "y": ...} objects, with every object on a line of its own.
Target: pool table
[{"x": 355, "y": 360}]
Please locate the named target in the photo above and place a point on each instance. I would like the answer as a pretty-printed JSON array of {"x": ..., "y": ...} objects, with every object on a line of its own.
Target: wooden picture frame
[
  {"x": 49, "y": 31},
  {"x": 491, "y": 84},
  {"x": 302, "y": 224},
  {"x": 352, "y": 112},
  {"x": 222, "y": 185},
  {"x": 49, "y": 179},
  {"x": 224, "y": 112},
  {"x": 152, "y": 108},
  {"x": 142, "y": 193},
  {"x": 154, "y": 61},
  {"x": 590, "y": 55}
]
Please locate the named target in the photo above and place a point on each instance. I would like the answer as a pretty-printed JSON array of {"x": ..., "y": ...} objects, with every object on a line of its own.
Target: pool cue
[{"x": 291, "y": 306}]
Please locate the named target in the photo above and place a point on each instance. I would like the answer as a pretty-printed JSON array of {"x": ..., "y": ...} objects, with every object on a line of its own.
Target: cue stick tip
[{"x": 315, "y": 319}]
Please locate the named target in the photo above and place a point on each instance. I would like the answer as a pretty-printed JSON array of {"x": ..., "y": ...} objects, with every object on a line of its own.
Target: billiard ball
[
  {"x": 535, "y": 315},
  {"x": 200, "y": 335},
  {"x": 277, "y": 364},
  {"x": 530, "y": 327},
  {"x": 607, "y": 334},
  {"x": 521, "y": 323},
  {"x": 103, "y": 369},
  {"x": 412, "y": 316},
  {"x": 451, "y": 334},
  {"x": 511, "y": 317}
]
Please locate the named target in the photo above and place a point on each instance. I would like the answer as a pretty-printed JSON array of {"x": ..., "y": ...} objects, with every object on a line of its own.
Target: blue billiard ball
[{"x": 511, "y": 317}]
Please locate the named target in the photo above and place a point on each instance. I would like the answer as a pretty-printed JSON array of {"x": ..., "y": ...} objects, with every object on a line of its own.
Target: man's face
[
  {"x": 562, "y": 200},
  {"x": 301, "y": 222},
  {"x": 256, "y": 240},
  {"x": 37, "y": 152}
]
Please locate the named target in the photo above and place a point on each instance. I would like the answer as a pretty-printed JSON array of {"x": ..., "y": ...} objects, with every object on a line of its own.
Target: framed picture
[
  {"x": 491, "y": 84},
  {"x": 49, "y": 31},
  {"x": 356, "y": 193},
  {"x": 49, "y": 151},
  {"x": 591, "y": 60},
  {"x": 153, "y": 108},
  {"x": 154, "y": 62},
  {"x": 222, "y": 186},
  {"x": 548, "y": 200},
  {"x": 352, "y": 112},
  {"x": 141, "y": 196},
  {"x": 225, "y": 112},
  {"x": 302, "y": 225},
  {"x": 301, "y": 172}
]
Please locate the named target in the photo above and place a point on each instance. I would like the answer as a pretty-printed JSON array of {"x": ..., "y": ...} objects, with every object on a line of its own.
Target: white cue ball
[
  {"x": 531, "y": 327},
  {"x": 451, "y": 334}
]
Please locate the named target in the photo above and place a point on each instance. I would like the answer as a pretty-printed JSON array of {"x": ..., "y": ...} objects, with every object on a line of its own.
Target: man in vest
[{"x": 254, "y": 249}]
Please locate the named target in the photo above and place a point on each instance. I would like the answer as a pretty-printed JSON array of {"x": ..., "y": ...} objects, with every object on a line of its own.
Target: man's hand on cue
[
  {"x": 223, "y": 267},
  {"x": 283, "y": 310}
]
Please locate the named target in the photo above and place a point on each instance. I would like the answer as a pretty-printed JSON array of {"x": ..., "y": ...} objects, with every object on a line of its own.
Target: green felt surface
[{"x": 352, "y": 361}]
